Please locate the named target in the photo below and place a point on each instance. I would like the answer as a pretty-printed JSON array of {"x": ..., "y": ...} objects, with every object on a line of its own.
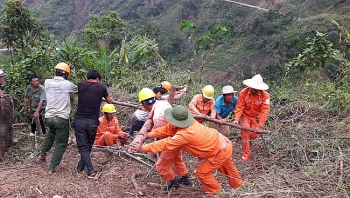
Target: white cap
[
  {"x": 256, "y": 83},
  {"x": 228, "y": 89},
  {"x": 2, "y": 73}
]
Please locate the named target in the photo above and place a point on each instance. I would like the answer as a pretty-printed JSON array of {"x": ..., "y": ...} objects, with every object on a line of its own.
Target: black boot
[
  {"x": 175, "y": 184},
  {"x": 185, "y": 180}
]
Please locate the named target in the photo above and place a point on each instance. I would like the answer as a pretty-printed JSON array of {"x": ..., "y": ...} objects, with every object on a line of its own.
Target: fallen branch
[
  {"x": 201, "y": 117},
  {"x": 171, "y": 98},
  {"x": 136, "y": 158},
  {"x": 127, "y": 104},
  {"x": 19, "y": 125},
  {"x": 137, "y": 187},
  {"x": 154, "y": 185}
]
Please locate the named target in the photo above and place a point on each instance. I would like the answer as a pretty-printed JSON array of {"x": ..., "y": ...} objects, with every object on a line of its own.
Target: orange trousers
[
  {"x": 173, "y": 158},
  {"x": 223, "y": 162},
  {"x": 247, "y": 135},
  {"x": 109, "y": 139}
]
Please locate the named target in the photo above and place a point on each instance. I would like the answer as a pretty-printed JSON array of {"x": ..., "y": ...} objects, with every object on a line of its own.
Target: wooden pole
[
  {"x": 202, "y": 117},
  {"x": 230, "y": 124},
  {"x": 38, "y": 127}
]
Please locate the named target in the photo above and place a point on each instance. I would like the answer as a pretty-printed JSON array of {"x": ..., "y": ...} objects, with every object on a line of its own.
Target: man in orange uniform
[
  {"x": 252, "y": 109},
  {"x": 108, "y": 132},
  {"x": 198, "y": 140},
  {"x": 203, "y": 104},
  {"x": 156, "y": 119}
]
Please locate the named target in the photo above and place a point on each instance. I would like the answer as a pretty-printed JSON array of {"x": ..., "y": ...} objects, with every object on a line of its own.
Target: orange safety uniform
[
  {"x": 251, "y": 111},
  {"x": 108, "y": 133},
  {"x": 198, "y": 106},
  {"x": 167, "y": 157},
  {"x": 205, "y": 143}
]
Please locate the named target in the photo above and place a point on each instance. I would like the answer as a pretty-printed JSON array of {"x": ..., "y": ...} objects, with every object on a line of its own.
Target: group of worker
[
  {"x": 175, "y": 127},
  {"x": 179, "y": 130}
]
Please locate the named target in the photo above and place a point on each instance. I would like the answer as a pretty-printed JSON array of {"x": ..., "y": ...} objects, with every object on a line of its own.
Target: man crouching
[{"x": 198, "y": 140}]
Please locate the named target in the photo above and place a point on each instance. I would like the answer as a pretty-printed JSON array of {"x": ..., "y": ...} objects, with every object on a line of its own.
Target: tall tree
[
  {"x": 107, "y": 30},
  {"x": 18, "y": 29}
]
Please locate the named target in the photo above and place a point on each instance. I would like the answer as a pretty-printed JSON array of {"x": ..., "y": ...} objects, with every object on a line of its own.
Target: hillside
[{"x": 260, "y": 41}]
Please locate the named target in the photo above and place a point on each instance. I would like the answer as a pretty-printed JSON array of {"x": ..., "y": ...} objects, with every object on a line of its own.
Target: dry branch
[
  {"x": 154, "y": 185},
  {"x": 203, "y": 117},
  {"x": 171, "y": 98},
  {"x": 137, "y": 187},
  {"x": 229, "y": 124},
  {"x": 19, "y": 125},
  {"x": 127, "y": 104}
]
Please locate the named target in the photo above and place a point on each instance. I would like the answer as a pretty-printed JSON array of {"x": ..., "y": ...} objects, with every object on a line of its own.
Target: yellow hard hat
[
  {"x": 166, "y": 85},
  {"x": 208, "y": 91},
  {"x": 146, "y": 93},
  {"x": 63, "y": 67},
  {"x": 108, "y": 108}
]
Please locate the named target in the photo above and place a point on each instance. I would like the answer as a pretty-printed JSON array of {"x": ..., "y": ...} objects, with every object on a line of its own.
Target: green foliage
[
  {"x": 316, "y": 52},
  {"x": 204, "y": 42},
  {"x": 18, "y": 28},
  {"x": 69, "y": 52},
  {"x": 104, "y": 62},
  {"x": 135, "y": 52},
  {"x": 188, "y": 26},
  {"x": 106, "y": 30}
]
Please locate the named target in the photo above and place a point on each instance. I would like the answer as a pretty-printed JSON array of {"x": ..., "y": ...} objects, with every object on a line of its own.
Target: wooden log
[
  {"x": 230, "y": 124},
  {"x": 202, "y": 117},
  {"x": 127, "y": 104},
  {"x": 171, "y": 98}
]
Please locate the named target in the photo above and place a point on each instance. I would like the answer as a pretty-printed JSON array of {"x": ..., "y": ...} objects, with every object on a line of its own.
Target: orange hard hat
[{"x": 64, "y": 67}]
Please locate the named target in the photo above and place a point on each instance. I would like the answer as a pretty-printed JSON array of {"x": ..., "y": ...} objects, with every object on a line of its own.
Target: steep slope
[{"x": 260, "y": 41}]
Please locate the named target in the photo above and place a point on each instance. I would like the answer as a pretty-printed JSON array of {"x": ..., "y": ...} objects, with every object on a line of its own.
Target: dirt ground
[
  {"x": 29, "y": 178},
  {"x": 301, "y": 158}
]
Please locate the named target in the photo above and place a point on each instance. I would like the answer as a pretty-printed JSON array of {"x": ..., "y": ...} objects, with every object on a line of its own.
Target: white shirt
[
  {"x": 157, "y": 113},
  {"x": 57, "y": 94},
  {"x": 141, "y": 115}
]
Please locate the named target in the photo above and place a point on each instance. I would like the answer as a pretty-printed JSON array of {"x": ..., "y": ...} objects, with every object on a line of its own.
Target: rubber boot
[
  {"x": 174, "y": 184},
  {"x": 185, "y": 180}
]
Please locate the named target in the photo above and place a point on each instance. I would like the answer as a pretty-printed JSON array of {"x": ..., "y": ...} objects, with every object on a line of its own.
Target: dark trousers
[
  {"x": 58, "y": 134},
  {"x": 136, "y": 125},
  {"x": 33, "y": 124},
  {"x": 85, "y": 133}
]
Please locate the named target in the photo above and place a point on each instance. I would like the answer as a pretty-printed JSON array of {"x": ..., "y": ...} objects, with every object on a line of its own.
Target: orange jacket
[
  {"x": 197, "y": 139},
  {"x": 253, "y": 106},
  {"x": 198, "y": 106},
  {"x": 105, "y": 126}
]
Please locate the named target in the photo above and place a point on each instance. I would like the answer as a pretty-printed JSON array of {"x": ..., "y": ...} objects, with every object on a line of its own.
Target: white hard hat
[{"x": 2, "y": 73}]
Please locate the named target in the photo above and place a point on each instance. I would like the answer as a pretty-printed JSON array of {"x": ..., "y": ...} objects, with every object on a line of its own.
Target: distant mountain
[{"x": 260, "y": 41}]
